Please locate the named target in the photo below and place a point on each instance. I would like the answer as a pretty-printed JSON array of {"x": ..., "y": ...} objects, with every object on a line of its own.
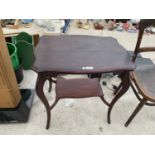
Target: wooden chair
[
  {"x": 143, "y": 77},
  {"x": 77, "y": 88}
]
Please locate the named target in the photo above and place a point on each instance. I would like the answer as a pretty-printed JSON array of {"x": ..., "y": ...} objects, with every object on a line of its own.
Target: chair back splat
[{"x": 144, "y": 23}]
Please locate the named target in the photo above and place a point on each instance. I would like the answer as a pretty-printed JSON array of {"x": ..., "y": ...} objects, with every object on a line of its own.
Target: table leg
[
  {"x": 118, "y": 88},
  {"x": 40, "y": 92},
  {"x": 50, "y": 84},
  {"x": 120, "y": 85},
  {"x": 120, "y": 93}
]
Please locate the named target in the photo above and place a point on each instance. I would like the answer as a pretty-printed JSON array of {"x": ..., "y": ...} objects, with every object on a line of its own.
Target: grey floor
[{"x": 88, "y": 116}]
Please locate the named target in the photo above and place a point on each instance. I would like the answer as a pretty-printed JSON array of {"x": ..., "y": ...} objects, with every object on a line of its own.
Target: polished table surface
[
  {"x": 80, "y": 54},
  {"x": 72, "y": 54}
]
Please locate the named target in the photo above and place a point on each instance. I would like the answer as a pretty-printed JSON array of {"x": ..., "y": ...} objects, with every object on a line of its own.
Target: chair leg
[
  {"x": 135, "y": 92},
  {"x": 138, "y": 108},
  {"x": 104, "y": 100}
]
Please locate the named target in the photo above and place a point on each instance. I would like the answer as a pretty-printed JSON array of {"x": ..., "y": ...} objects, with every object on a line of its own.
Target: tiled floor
[{"x": 88, "y": 116}]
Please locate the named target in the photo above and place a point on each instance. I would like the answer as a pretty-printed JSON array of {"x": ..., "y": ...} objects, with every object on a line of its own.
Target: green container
[
  {"x": 13, "y": 55},
  {"x": 23, "y": 36}
]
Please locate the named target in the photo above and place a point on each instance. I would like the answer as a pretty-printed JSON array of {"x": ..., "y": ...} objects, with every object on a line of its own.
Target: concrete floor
[{"x": 88, "y": 116}]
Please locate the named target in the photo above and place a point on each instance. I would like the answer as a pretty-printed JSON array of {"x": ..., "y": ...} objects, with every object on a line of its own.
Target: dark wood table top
[{"x": 78, "y": 54}]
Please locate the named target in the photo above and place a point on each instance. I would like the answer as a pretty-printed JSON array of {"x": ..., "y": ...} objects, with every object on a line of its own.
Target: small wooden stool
[{"x": 78, "y": 88}]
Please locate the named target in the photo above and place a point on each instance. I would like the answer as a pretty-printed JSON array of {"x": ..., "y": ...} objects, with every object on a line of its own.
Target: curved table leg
[
  {"x": 39, "y": 90},
  {"x": 120, "y": 93},
  {"x": 118, "y": 88},
  {"x": 50, "y": 85},
  {"x": 120, "y": 85},
  {"x": 54, "y": 104},
  {"x": 104, "y": 100}
]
